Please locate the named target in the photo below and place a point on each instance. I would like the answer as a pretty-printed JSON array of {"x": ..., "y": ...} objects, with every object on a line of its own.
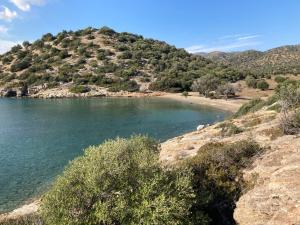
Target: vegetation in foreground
[
  {"x": 123, "y": 182},
  {"x": 119, "y": 182}
]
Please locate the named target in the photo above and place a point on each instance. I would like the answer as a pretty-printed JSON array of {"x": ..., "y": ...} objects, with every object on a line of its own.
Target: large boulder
[{"x": 275, "y": 197}]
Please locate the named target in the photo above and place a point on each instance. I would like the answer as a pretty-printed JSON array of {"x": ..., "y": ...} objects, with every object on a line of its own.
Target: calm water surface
[{"x": 39, "y": 137}]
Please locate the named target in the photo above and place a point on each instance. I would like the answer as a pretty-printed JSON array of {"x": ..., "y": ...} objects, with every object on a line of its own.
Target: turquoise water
[{"x": 39, "y": 137}]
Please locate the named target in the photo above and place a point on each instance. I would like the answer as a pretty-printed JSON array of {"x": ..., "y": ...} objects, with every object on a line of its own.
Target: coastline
[{"x": 231, "y": 105}]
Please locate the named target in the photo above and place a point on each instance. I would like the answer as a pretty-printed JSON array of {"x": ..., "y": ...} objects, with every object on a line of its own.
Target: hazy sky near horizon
[{"x": 197, "y": 25}]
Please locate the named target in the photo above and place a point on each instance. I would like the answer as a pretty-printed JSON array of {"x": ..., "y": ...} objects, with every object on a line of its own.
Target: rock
[
  {"x": 275, "y": 198},
  {"x": 200, "y": 127}
]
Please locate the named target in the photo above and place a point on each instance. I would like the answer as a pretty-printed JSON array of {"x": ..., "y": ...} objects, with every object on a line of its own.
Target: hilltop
[
  {"x": 87, "y": 59},
  {"x": 281, "y": 60}
]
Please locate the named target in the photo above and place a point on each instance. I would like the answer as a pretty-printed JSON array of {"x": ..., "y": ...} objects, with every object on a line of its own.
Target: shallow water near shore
[{"x": 39, "y": 137}]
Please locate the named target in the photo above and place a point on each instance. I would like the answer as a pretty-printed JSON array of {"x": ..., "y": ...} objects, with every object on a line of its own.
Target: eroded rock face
[{"x": 275, "y": 199}]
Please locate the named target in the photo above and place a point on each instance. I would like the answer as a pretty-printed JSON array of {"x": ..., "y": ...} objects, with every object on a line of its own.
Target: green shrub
[
  {"x": 218, "y": 179},
  {"x": 20, "y": 65},
  {"x": 130, "y": 86},
  {"x": 252, "y": 106},
  {"x": 185, "y": 94},
  {"x": 107, "y": 31},
  {"x": 206, "y": 84},
  {"x": 229, "y": 129},
  {"x": 280, "y": 79},
  {"x": 79, "y": 89},
  {"x": 251, "y": 82},
  {"x": 262, "y": 85},
  {"x": 119, "y": 182}
]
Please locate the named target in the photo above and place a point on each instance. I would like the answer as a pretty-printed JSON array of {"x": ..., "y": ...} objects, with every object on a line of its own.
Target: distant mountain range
[{"x": 281, "y": 60}]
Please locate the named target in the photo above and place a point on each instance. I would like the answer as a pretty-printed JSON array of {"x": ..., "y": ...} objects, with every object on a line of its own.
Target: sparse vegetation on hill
[
  {"x": 103, "y": 57},
  {"x": 281, "y": 60}
]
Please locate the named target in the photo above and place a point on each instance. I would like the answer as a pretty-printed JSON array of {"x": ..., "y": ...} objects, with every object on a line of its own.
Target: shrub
[
  {"x": 226, "y": 90},
  {"x": 119, "y": 182},
  {"x": 218, "y": 179},
  {"x": 107, "y": 31},
  {"x": 291, "y": 123},
  {"x": 64, "y": 54},
  {"x": 229, "y": 129},
  {"x": 185, "y": 94},
  {"x": 20, "y": 65},
  {"x": 206, "y": 84},
  {"x": 280, "y": 79},
  {"x": 130, "y": 86},
  {"x": 252, "y": 106},
  {"x": 262, "y": 85},
  {"x": 79, "y": 89},
  {"x": 251, "y": 82}
]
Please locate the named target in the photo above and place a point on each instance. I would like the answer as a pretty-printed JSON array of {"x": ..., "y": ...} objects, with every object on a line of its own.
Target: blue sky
[{"x": 197, "y": 25}]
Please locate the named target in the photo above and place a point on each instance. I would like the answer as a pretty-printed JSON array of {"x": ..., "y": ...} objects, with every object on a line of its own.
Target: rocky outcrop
[
  {"x": 14, "y": 92},
  {"x": 275, "y": 196}
]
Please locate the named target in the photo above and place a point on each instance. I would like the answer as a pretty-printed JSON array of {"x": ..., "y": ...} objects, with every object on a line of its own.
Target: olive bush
[{"x": 119, "y": 182}]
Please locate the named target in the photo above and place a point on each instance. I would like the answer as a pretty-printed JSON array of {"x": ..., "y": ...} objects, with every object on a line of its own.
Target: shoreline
[{"x": 231, "y": 105}]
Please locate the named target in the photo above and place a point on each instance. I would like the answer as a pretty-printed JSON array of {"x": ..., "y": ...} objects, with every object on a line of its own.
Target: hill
[
  {"x": 104, "y": 58},
  {"x": 281, "y": 60}
]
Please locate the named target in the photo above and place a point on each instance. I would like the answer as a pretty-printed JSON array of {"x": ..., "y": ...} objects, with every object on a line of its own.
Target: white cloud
[
  {"x": 7, "y": 14},
  {"x": 227, "y": 43},
  {"x": 3, "y": 29},
  {"x": 6, "y": 45},
  {"x": 221, "y": 48},
  {"x": 25, "y": 5},
  {"x": 232, "y": 36},
  {"x": 248, "y": 37}
]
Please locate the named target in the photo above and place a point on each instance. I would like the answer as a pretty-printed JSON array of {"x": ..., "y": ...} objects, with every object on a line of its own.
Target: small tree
[
  {"x": 226, "y": 90},
  {"x": 206, "y": 84},
  {"x": 251, "y": 82},
  {"x": 119, "y": 182},
  {"x": 289, "y": 99},
  {"x": 262, "y": 85}
]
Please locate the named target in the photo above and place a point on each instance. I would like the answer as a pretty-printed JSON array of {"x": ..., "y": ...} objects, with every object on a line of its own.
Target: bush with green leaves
[
  {"x": 251, "y": 106},
  {"x": 226, "y": 90},
  {"x": 279, "y": 79},
  {"x": 79, "y": 89},
  {"x": 218, "y": 179},
  {"x": 119, "y": 182},
  {"x": 229, "y": 129},
  {"x": 206, "y": 84},
  {"x": 262, "y": 85},
  {"x": 129, "y": 85},
  {"x": 251, "y": 82}
]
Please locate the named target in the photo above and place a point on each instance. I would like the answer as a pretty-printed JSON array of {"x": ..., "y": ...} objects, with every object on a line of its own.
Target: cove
[{"x": 39, "y": 137}]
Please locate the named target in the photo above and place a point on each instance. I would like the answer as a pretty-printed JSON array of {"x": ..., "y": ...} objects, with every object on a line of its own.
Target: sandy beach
[{"x": 229, "y": 105}]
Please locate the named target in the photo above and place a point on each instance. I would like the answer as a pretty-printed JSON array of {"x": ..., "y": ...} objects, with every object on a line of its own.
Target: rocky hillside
[
  {"x": 282, "y": 60},
  {"x": 272, "y": 195},
  {"x": 103, "y": 58}
]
